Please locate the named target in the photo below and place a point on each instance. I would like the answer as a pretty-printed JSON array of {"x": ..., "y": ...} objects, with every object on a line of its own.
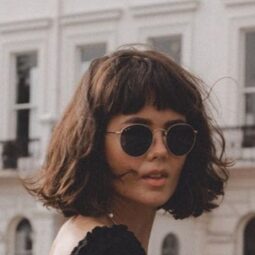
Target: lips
[
  {"x": 155, "y": 174},
  {"x": 155, "y": 178}
]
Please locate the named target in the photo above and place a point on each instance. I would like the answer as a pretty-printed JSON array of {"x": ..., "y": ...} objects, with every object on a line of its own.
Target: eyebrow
[{"x": 133, "y": 120}]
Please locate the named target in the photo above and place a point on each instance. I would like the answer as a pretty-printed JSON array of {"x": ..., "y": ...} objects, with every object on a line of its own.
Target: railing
[
  {"x": 240, "y": 142},
  {"x": 16, "y": 154}
]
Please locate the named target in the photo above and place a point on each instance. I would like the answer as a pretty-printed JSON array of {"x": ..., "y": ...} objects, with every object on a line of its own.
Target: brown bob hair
[{"x": 75, "y": 178}]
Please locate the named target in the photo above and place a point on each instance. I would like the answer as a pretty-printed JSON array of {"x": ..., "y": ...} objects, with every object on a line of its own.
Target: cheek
[
  {"x": 179, "y": 163},
  {"x": 118, "y": 161},
  {"x": 115, "y": 156}
]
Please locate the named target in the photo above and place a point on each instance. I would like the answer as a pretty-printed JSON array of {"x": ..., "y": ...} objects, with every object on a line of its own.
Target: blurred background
[{"x": 45, "y": 46}]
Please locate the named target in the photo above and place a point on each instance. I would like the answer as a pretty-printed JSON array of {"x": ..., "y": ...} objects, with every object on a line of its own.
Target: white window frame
[
  {"x": 78, "y": 57},
  {"x": 32, "y": 104},
  {"x": 11, "y": 233},
  {"x": 168, "y": 36},
  {"x": 164, "y": 19},
  {"x": 24, "y": 252},
  {"x": 182, "y": 30},
  {"x": 18, "y": 38},
  {"x": 246, "y": 90},
  {"x": 238, "y": 26},
  {"x": 243, "y": 89},
  {"x": 79, "y": 30}
]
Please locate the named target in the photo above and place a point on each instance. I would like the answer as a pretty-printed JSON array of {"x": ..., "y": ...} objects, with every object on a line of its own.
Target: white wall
[{"x": 212, "y": 37}]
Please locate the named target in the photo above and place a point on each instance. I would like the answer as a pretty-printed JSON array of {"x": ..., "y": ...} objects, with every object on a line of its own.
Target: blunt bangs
[{"x": 133, "y": 82}]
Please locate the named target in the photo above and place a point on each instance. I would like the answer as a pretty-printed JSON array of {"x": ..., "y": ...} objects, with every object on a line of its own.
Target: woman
[{"x": 135, "y": 138}]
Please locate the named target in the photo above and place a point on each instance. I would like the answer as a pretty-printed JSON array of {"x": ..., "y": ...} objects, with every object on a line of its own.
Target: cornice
[
  {"x": 233, "y": 3},
  {"x": 8, "y": 174},
  {"x": 91, "y": 16},
  {"x": 25, "y": 25},
  {"x": 164, "y": 7}
]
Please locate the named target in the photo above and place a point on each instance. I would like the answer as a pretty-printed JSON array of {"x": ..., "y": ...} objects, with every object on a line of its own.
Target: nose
[{"x": 158, "y": 147}]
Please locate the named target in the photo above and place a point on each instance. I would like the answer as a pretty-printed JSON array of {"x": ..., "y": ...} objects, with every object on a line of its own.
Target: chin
[{"x": 156, "y": 203}]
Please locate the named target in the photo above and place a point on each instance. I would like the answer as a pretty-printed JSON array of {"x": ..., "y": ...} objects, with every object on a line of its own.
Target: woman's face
[{"x": 149, "y": 179}]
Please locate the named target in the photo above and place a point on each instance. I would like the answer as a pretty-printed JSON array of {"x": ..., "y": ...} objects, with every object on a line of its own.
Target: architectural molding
[
  {"x": 91, "y": 16},
  {"x": 220, "y": 238},
  {"x": 172, "y": 6},
  {"x": 11, "y": 231},
  {"x": 238, "y": 3},
  {"x": 243, "y": 171},
  {"x": 25, "y": 25},
  {"x": 243, "y": 23},
  {"x": 9, "y": 174},
  {"x": 47, "y": 119}
]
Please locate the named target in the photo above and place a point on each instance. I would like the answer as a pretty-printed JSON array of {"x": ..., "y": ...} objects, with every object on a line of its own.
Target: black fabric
[{"x": 114, "y": 240}]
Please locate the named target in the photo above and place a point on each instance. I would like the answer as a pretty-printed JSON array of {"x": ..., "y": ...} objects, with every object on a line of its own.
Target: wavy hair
[{"x": 75, "y": 177}]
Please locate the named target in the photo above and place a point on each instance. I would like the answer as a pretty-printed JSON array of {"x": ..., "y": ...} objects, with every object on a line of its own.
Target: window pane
[
  {"x": 250, "y": 109},
  {"x": 10, "y": 153},
  {"x": 171, "y": 45},
  {"x": 23, "y": 239},
  {"x": 250, "y": 59},
  {"x": 249, "y": 125},
  {"x": 249, "y": 120},
  {"x": 170, "y": 245},
  {"x": 249, "y": 238},
  {"x": 90, "y": 52},
  {"x": 34, "y": 121},
  {"x": 26, "y": 68},
  {"x": 24, "y": 64},
  {"x": 23, "y": 131}
]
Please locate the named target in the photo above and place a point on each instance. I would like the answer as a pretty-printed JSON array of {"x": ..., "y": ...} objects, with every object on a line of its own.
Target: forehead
[{"x": 148, "y": 115}]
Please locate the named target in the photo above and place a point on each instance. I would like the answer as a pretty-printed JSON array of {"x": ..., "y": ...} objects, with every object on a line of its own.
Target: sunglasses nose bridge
[
  {"x": 161, "y": 130},
  {"x": 161, "y": 137}
]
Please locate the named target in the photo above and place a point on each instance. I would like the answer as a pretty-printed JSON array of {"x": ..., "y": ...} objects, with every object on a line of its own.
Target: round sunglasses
[{"x": 136, "y": 139}]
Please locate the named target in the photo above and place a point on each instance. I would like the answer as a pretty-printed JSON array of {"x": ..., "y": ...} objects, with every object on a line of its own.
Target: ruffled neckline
[{"x": 116, "y": 239}]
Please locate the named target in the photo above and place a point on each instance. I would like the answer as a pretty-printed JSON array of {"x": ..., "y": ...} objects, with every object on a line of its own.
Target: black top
[{"x": 114, "y": 240}]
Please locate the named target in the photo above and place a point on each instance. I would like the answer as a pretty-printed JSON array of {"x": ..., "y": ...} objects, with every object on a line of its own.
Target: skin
[{"x": 135, "y": 201}]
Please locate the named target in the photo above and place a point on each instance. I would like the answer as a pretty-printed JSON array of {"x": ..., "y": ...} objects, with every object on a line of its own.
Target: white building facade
[{"x": 46, "y": 45}]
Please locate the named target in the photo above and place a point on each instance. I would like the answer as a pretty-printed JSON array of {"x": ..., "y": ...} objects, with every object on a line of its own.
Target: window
[
  {"x": 25, "y": 72},
  {"x": 249, "y": 90},
  {"x": 170, "y": 245},
  {"x": 249, "y": 238},
  {"x": 88, "y": 53},
  {"x": 170, "y": 45},
  {"x": 23, "y": 238}
]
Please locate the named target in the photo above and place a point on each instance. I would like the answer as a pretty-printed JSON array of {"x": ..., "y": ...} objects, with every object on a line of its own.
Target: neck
[{"x": 138, "y": 218}]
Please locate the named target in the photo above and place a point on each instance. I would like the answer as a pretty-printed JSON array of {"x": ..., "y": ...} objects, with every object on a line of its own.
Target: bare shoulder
[{"x": 72, "y": 231}]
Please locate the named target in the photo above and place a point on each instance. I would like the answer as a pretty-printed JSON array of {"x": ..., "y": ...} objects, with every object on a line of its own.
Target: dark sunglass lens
[
  {"x": 135, "y": 140},
  {"x": 180, "y": 139}
]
